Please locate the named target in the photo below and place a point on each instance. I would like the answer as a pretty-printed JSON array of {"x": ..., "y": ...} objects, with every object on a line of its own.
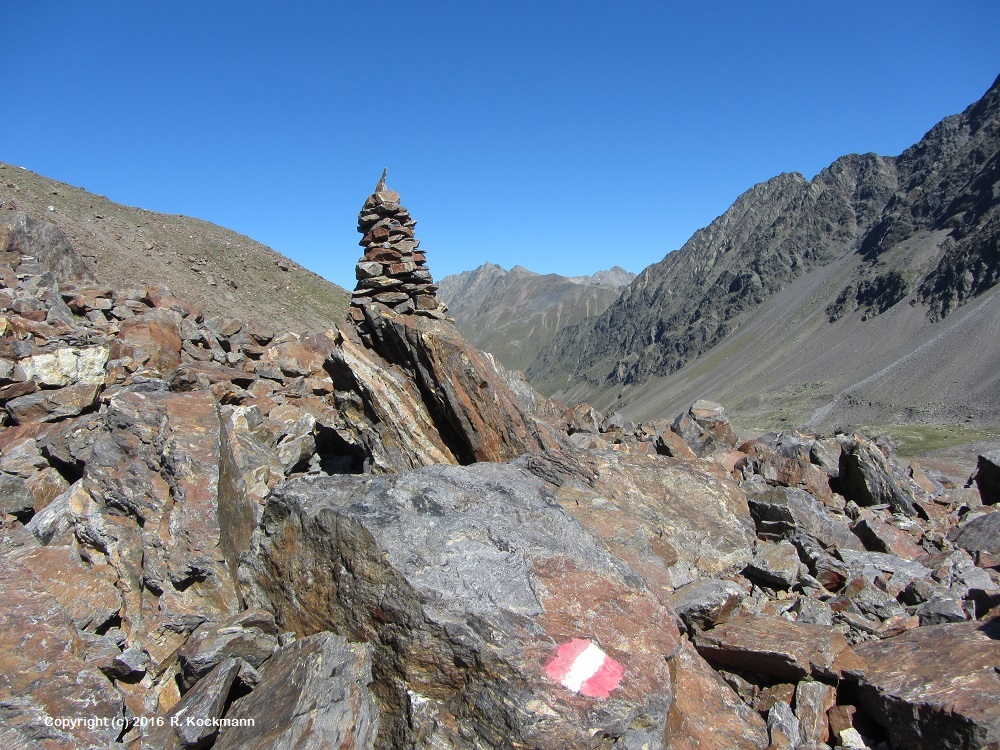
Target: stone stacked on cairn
[{"x": 392, "y": 271}]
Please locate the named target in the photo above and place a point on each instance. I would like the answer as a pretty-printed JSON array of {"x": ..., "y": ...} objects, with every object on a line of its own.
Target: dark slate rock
[
  {"x": 786, "y": 510},
  {"x": 868, "y": 478},
  {"x": 43, "y": 240},
  {"x": 706, "y": 603},
  {"x": 312, "y": 693},
  {"x": 779, "y": 648},
  {"x": 987, "y": 477},
  {"x": 14, "y": 495},
  {"x": 194, "y": 721},
  {"x": 250, "y": 635},
  {"x": 774, "y": 565},
  {"x": 981, "y": 534}
]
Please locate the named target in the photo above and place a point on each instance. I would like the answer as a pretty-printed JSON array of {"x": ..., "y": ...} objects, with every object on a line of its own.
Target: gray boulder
[{"x": 478, "y": 594}]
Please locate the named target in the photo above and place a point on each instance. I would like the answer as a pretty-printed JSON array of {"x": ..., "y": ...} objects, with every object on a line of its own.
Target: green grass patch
[{"x": 918, "y": 439}]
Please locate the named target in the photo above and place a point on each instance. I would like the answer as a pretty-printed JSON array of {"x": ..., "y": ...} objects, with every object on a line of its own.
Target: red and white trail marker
[{"x": 581, "y": 666}]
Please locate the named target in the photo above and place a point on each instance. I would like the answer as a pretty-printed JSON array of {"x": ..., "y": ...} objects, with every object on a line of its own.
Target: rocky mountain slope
[
  {"x": 873, "y": 249},
  {"x": 514, "y": 314},
  {"x": 217, "y": 536},
  {"x": 215, "y": 269}
]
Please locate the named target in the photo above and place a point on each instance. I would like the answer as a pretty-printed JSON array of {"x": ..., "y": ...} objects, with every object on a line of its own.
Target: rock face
[
  {"x": 312, "y": 693},
  {"x": 469, "y": 581},
  {"x": 392, "y": 271},
  {"x": 850, "y": 275}
]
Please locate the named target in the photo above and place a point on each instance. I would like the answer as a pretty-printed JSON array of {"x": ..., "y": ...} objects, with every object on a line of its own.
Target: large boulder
[
  {"x": 869, "y": 477},
  {"x": 936, "y": 686},
  {"x": 312, "y": 693},
  {"x": 47, "y": 686},
  {"x": 987, "y": 477},
  {"x": 670, "y": 519},
  {"x": 496, "y": 619},
  {"x": 779, "y": 648},
  {"x": 24, "y": 236}
]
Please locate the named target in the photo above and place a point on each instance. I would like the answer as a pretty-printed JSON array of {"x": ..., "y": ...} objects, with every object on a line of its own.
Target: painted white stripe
[{"x": 584, "y": 667}]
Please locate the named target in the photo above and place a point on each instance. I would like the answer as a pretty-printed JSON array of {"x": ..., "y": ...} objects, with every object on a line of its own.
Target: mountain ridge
[
  {"x": 920, "y": 227},
  {"x": 511, "y": 314},
  {"x": 220, "y": 271}
]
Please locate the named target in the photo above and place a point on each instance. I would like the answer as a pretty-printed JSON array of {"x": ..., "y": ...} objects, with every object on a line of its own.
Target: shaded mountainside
[
  {"x": 513, "y": 314},
  {"x": 921, "y": 228},
  {"x": 215, "y": 269}
]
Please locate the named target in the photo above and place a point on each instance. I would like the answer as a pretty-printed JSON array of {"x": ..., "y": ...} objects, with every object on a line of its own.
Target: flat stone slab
[
  {"x": 779, "y": 648},
  {"x": 936, "y": 686}
]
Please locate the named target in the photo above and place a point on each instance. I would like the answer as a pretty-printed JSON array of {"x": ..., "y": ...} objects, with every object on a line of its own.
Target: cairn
[{"x": 392, "y": 271}]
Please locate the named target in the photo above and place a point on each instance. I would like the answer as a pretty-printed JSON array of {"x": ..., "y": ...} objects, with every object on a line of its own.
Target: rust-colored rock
[
  {"x": 152, "y": 341},
  {"x": 936, "y": 686},
  {"x": 663, "y": 516},
  {"x": 706, "y": 713},
  {"x": 44, "y": 675},
  {"x": 779, "y": 648}
]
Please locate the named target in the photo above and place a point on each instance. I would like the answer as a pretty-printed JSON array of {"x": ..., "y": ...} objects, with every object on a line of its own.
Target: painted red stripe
[
  {"x": 566, "y": 654},
  {"x": 606, "y": 679}
]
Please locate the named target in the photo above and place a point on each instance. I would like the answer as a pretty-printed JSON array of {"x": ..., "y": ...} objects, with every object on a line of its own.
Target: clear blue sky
[{"x": 562, "y": 136}]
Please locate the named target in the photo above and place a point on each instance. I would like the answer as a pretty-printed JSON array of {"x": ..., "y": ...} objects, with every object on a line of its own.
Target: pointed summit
[{"x": 392, "y": 273}]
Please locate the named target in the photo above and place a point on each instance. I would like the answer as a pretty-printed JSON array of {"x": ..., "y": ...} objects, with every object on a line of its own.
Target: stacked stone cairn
[{"x": 392, "y": 271}]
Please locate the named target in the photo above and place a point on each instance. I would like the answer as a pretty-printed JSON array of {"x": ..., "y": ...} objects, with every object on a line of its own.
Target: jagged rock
[
  {"x": 939, "y": 610},
  {"x": 53, "y": 521},
  {"x": 779, "y": 648},
  {"x": 66, "y": 366},
  {"x": 669, "y": 443},
  {"x": 987, "y": 477},
  {"x": 872, "y": 600},
  {"x": 152, "y": 341},
  {"x": 45, "y": 486},
  {"x": 250, "y": 635},
  {"x": 706, "y": 603},
  {"x": 195, "y": 721},
  {"x": 87, "y": 594},
  {"x": 780, "y": 512},
  {"x": 314, "y": 692},
  {"x": 21, "y": 234},
  {"x": 981, "y": 534},
  {"x": 15, "y": 497},
  {"x": 157, "y": 461},
  {"x": 469, "y": 582},
  {"x": 383, "y": 409},
  {"x": 787, "y": 462},
  {"x": 784, "y": 726},
  {"x": 935, "y": 686},
  {"x": 705, "y": 428},
  {"x": 476, "y": 417},
  {"x": 44, "y": 678},
  {"x": 774, "y": 565},
  {"x": 663, "y": 516},
  {"x": 51, "y": 405},
  {"x": 880, "y": 536},
  {"x": 869, "y": 565},
  {"x": 867, "y": 477},
  {"x": 707, "y": 714}
]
